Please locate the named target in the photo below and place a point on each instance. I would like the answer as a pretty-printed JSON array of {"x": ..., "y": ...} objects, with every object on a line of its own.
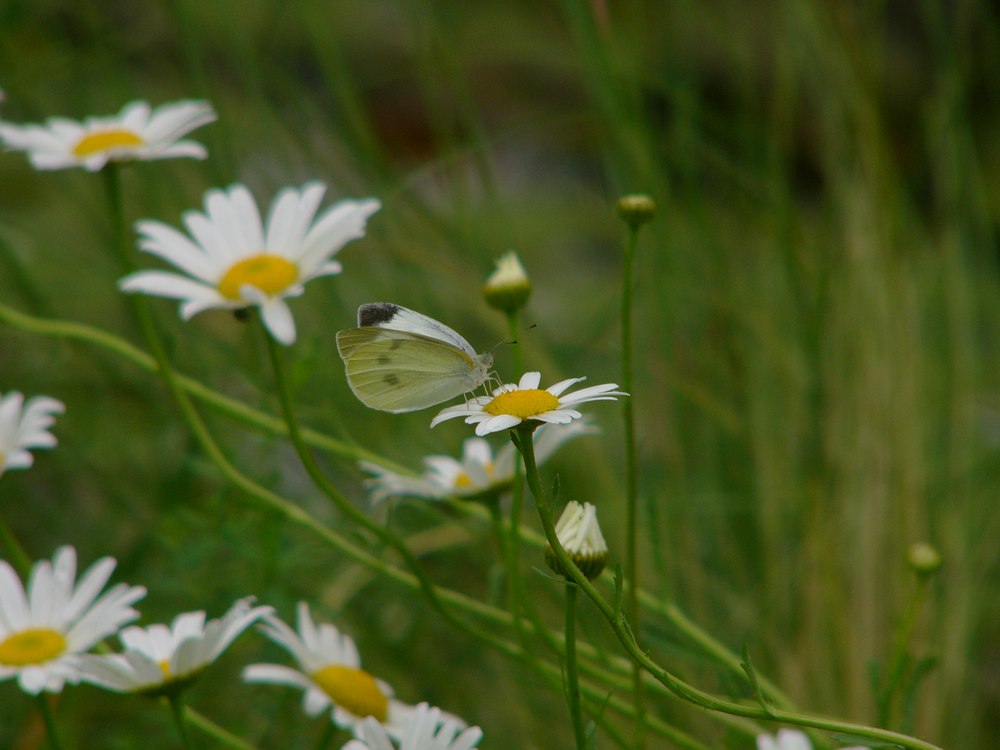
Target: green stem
[
  {"x": 631, "y": 474},
  {"x": 50, "y": 721},
  {"x": 329, "y": 732},
  {"x": 214, "y": 731},
  {"x": 572, "y": 680},
  {"x": 625, "y": 635},
  {"x": 177, "y": 711},
  {"x": 22, "y": 563},
  {"x": 898, "y": 657}
]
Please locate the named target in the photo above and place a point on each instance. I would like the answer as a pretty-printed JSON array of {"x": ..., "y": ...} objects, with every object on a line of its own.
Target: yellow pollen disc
[
  {"x": 269, "y": 273},
  {"x": 523, "y": 404},
  {"x": 354, "y": 690},
  {"x": 95, "y": 143},
  {"x": 165, "y": 668},
  {"x": 32, "y": 646},
  {"x": 463, "y": 481}
]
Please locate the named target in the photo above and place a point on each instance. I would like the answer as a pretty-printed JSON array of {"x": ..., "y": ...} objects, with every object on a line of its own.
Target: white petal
[{"x": 279, "y": 321}]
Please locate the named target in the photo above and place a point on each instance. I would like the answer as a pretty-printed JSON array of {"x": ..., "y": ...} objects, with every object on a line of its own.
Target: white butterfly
[{"x": 398, "y": 360}]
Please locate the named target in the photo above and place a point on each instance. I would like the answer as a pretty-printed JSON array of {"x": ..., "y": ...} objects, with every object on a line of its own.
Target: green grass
[{"x": 817, "y": 368}]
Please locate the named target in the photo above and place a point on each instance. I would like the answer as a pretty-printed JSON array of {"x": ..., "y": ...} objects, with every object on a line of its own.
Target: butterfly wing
[
  {"x": 398, "y": 318},
  {"x": 400, "y": 371}
]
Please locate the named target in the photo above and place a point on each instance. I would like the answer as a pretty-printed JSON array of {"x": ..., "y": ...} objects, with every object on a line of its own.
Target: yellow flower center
[
  {"x": 165, "y": 668},
  {"x": 269, "y": 273},
  {"x": 523, "y": 404},
  {"x": 463, "y": 481},
  {"x": 353, "y": 689},
  {"x": 95, "y": 143},
  {"x": 31, "y": 646}
]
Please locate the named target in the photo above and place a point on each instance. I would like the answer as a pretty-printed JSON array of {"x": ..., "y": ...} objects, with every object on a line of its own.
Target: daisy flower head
[
  {"x": 23, "y": 425},
  {"x": 427, "y": 729},
  {"x": 160, "y": 658},
  {"x": 232, "y": 260},
  {"x": 43, "y": 627},
  {"x": 137, "y": 133},
  {"x": 330, "y": 674},
  {"x": 511, "y": 404},
  {"x": 789, "y": 739},
  {"x": 476, "y": 474}
]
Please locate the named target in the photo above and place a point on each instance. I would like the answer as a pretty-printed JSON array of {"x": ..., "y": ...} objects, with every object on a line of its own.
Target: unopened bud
[
  {"x": 924, "y": 559},
  {"x": 508, "y": 287},
  {"x": 580, "y": 535},
  {"x": 636, "y": 209}
]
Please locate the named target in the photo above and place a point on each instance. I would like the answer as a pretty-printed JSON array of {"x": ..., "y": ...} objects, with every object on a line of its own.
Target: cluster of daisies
[{"x": 49, "y": 628}]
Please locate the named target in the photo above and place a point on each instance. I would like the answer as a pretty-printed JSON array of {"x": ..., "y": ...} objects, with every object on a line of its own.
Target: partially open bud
[
  {"x": 580, "y": 535},
  {"x": 508, "y": 287},
  {"x": 636, "y": 209},
  {"x": 924, "y": 559}
]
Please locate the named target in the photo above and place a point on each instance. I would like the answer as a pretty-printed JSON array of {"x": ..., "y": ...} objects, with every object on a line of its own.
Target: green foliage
[{"x": 817, "y": 373}]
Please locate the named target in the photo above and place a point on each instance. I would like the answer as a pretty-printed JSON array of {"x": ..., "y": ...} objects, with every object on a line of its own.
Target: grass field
[{"x": 816, "y": 369}]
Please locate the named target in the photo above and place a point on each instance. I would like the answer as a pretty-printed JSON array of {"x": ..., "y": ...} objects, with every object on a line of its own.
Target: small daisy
[
  {"x": 23, "y": 425},
  {"x": 43, "y": 628},
  {"x": 789, "y": 739},
  {"x": 427, "y": 729},
  {"x": 234, "y": 262},
  {"x": 159, "y": 658},
  {"x": 138, "y": 132},
  {"x": 475, "y": 475},
  {"x": 331, "y": 675},
  {"x": 511, "y": 404}
]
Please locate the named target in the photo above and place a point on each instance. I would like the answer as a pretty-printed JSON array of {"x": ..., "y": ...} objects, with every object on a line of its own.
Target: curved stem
[{"x": 620, "y": 626}]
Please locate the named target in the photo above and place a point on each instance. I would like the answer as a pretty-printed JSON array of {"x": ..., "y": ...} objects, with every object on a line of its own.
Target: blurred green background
[{"x": 818, "y": 368}]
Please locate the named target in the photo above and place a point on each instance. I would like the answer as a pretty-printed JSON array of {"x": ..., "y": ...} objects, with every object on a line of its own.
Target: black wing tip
[{"x": 376, "y": 313}]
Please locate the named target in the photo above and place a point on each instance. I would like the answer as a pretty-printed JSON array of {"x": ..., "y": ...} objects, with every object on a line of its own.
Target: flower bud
[
  {"x": 636, "y": 209},
  {"x": 580, "y": 535},
  {"x": 508, "y": 287},
  {"x": 924, "y": 559}
]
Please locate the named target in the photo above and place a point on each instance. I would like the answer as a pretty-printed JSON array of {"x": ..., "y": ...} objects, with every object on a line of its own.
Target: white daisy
[
  {"x": 330, "y": 674},
  {"x": 138, "y": 132},
  {"x": 478, "y": 473},
  {"x": 160, "y": 658},
  {"x": 23, "y": 425},
  {"x": 42, "y": 629},
  {"x": 511, "y": 404},
  {"x": 427, "y": 729},
  {"x": 235, "y": 262},
  {"x": 789, "y": 739}
]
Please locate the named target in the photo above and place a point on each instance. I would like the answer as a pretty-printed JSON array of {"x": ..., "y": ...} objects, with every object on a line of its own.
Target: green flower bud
[
  {"x": 508, "y": 287},
  {"x": 636, "y": 209},
  {"x": 924, "y": 559},
  {"x": 580, "y": 535}
]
